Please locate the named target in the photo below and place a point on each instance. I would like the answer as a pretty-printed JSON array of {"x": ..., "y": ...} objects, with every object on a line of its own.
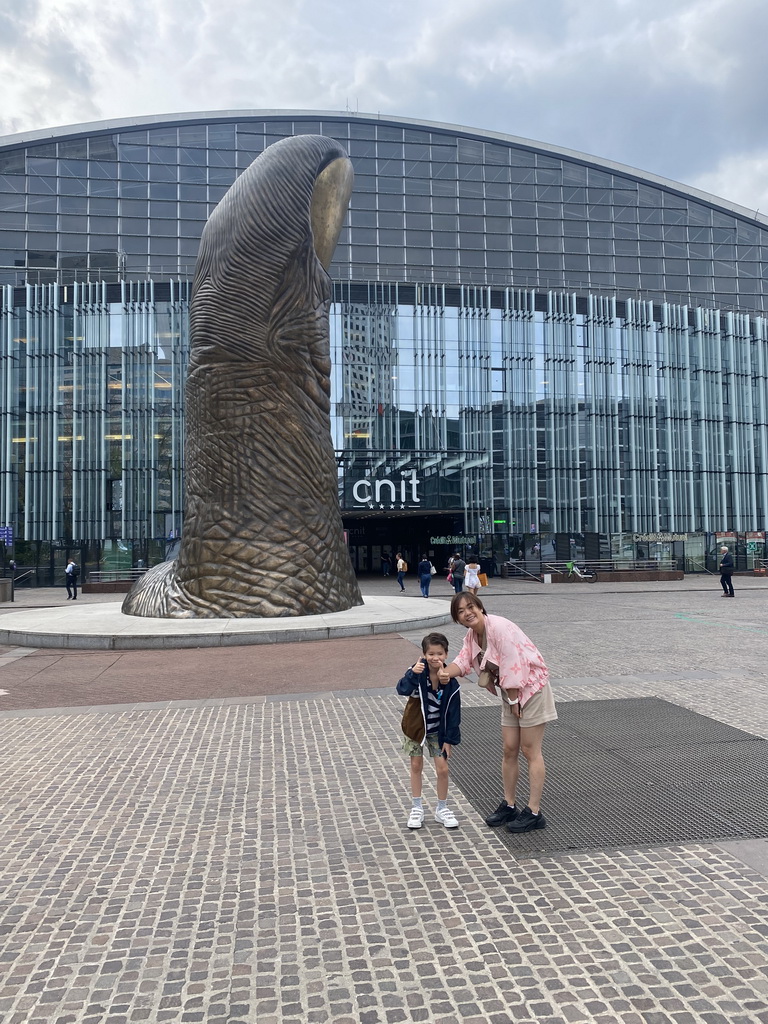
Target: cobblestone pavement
[{"x": 244, "y": 857}]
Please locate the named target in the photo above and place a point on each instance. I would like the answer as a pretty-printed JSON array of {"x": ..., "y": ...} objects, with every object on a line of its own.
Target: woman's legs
[
  {"x": 510, "y": 738},
  {"x": 530, "y": 744}
]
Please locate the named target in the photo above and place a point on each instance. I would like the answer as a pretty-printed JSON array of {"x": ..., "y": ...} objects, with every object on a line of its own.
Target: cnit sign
[{"x": 395, "y": 494}]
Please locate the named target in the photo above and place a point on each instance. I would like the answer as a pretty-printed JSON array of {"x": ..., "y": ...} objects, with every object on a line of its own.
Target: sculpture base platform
[{"x": 104, "y": 627}]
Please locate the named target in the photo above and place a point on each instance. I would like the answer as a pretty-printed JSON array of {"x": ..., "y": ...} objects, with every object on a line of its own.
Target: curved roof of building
[{"x": 219, "y": 116}]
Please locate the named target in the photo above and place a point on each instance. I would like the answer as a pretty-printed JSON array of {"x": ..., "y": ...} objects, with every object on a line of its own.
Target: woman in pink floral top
[{"x": 508, "y": 662}]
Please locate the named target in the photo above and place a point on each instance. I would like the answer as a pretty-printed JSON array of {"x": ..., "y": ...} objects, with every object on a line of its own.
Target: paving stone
[{"x": 150, "y": 871}]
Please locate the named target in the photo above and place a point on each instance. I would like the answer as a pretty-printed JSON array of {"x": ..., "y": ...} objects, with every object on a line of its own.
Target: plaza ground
[{"x": 218, "y": 835}]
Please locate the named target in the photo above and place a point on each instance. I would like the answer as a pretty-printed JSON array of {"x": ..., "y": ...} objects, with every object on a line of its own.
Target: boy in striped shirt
[{"x": 432, "y": 719}]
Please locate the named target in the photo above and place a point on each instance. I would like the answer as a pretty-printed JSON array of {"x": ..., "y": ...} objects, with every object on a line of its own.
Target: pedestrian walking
[
  {"x": 425, "y": 571},
  {"x": 431, "y": 719},
  {"x": 726, "y": 572},
  {"x": 402, "y": 569},
  {"x": 458, "y": 567},
  {"x": 72, "y": 572},
  {"x": 471, "y": 580}
]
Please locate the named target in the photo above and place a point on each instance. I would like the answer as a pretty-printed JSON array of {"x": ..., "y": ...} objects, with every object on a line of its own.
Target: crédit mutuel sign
[{"x": 386, "y": 493}]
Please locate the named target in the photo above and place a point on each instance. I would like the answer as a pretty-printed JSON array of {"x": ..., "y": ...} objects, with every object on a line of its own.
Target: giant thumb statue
[{"x": 262, "y": 531}]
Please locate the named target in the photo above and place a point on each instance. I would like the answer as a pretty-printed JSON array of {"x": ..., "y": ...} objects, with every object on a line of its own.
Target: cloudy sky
[{"x": 677, "y": 87}]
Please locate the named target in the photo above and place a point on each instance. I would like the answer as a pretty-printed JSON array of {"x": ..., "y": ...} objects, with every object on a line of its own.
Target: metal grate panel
[{"x": 638, "y": 772}]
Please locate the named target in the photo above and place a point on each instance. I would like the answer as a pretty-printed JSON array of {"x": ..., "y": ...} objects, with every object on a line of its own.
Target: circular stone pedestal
[{"x": 104, "y": 627}]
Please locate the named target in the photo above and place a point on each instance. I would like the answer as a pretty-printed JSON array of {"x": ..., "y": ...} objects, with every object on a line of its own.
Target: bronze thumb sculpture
[{"x": 262, "y": 531}]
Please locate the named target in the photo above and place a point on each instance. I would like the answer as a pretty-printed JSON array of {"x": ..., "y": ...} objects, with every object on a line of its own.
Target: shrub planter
[{"x": 113, "y": 587}]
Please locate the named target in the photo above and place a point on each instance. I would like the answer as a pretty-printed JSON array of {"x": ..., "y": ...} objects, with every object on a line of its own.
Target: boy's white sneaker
[
  {"x": 416, "y": 817},
  {"x": 446, "y": 817}
]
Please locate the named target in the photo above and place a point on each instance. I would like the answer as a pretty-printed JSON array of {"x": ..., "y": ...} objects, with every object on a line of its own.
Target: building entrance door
[{"x": 413, "y": 535}]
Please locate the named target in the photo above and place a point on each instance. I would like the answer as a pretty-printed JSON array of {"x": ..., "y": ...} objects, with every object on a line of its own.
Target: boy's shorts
[
  {"x": 414, "y": 749},
  {"x": 538, "y": 709}
]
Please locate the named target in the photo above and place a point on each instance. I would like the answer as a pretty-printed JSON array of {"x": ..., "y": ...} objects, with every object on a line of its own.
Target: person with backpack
[
  {"x": 402, "y": 569},
  {"x": 431, "y": 725},
  {"x": 72, "y": 572},
  {"x": 458, "y": 568},
  {"x": 425, "y": 572}
]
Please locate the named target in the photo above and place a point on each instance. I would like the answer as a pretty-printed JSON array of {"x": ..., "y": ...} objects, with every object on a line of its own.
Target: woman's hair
[
  {"x": 471, "y": 599},
  {"x": 436, "y": 639},
  {"x": 473, "y": 558}
]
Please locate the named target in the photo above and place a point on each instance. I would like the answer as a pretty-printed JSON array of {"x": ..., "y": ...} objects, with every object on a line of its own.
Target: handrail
[
  {"x": 533, "y": 575},
  {"x": 17, "y": 579},
  {"x": 552, "y": 567},
  {"x": 518, "y": 569},
  {"x": 612, "y": 564}
]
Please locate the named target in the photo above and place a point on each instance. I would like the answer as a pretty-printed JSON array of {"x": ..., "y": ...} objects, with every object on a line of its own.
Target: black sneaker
[
  {"x": 527, "y": 821},
  {"x": 502, "y": 815}
]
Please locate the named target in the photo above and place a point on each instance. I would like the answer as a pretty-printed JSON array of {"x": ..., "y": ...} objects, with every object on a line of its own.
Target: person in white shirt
[
  {"x": 402, "y": 568},
  {"x": 471, "y": 581},
  {"x": 72, "y": 572}
]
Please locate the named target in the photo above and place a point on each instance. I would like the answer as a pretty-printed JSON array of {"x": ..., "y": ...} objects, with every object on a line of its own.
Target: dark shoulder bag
[{"x": 413, "y": 720}]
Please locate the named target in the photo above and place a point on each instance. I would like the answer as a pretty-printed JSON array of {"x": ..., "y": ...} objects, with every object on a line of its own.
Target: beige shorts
[{"x": 538, "y": 709}]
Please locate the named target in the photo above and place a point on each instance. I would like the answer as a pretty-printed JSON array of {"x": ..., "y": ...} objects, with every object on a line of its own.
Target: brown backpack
[{"x": 413, "y": 720}]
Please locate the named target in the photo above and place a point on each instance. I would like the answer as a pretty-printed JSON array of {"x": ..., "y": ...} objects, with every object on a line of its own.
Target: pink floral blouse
[{"x": 521, "y": 666}]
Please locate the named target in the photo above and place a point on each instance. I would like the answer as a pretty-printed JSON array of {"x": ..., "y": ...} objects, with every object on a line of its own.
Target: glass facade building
[{"x": 533, "y": 350}]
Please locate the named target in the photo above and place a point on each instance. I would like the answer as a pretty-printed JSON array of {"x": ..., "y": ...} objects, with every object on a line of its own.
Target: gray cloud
[{"x": 675, "y": 87}]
